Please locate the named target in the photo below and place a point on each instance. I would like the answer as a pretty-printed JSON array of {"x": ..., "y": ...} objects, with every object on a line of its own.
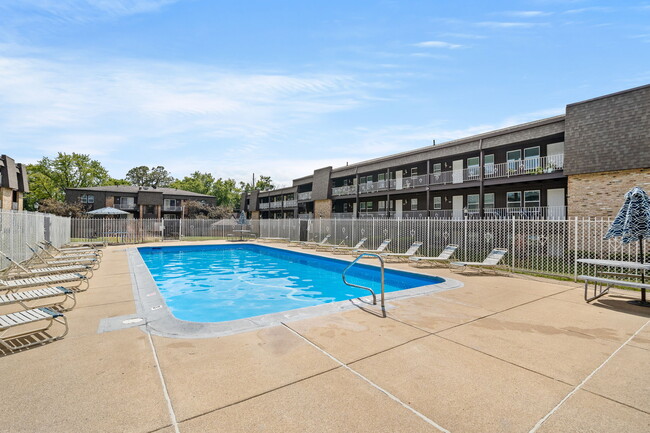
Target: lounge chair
[
  {"x": 51, "y": 296},
  {"x": 341, "y": 249},
  {"x": 49, "y": 280},
  {"x": 92, "y": 261},
  {"x": 73, "y": 250},
  {"x": 17, "y": 341},
  {"x": 323, "y": 242},
  {"x": 443, "y": 258},
  {"x": 402, "y": 256},
  {"x": 491, "y": 261},
  {"x": 380, "y": 249},
  {"x": 69, "y": 256},
  {"x": 268, "y": 239},
  {"x": 16, "y": 270}
]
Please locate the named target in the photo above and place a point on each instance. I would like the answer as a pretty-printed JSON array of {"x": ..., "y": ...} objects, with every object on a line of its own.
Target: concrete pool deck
[{"x": 507, "y": 354}]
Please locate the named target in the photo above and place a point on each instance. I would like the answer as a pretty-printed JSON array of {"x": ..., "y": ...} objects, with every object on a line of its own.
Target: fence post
[
  {"x": 465, "y": 238},
  {"x": 575, "y": 249},
  {"x": 513, "y": 253}
]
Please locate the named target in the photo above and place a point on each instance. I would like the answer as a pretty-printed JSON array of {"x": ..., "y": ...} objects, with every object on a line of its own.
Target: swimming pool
[{"x": 217, "y": 283}]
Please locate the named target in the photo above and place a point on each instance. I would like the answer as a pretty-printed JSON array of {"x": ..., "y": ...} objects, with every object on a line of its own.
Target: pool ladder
[{"x": 374, "y": 296}]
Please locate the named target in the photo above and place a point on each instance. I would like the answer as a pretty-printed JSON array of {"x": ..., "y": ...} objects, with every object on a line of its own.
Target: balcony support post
[
  {"x": 481, "y": 176},
  {"x": 428, "y": 205}
]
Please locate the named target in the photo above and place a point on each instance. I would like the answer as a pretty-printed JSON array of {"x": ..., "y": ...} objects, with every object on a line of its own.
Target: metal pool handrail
[{"x": 374, "y": 297}]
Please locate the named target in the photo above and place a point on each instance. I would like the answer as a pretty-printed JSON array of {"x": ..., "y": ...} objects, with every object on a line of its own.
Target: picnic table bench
[{"x": 602, "y": 283}]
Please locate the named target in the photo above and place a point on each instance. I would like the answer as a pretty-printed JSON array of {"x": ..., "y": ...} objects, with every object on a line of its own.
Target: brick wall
[
  {"x": 608, "y": 133},
  {"x": 323, "y": 209},
  {"x": 602, "y": 194}
]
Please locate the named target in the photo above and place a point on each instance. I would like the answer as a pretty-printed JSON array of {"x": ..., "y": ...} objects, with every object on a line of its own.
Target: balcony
[
  {"x": 381, "y": 185},
  {"x": 409, "y": 182},
  {"x": 537, "y": 212},
  {"x": 306, "y": 216},
  {"x": 342, "y": 215},
  {"x": 304, "y": 196},
  {"x": 172, "y": 208},
  {"x": 125, "y": 206},
  {"x": 378, "y": 214},
  {"x": 275, "y": 205},
  {"x": 531, "y": 166},
  {"x": 263, "y": 206},
  {"x": 344, "y": 190},
  {"x": 290, "y": 203}
]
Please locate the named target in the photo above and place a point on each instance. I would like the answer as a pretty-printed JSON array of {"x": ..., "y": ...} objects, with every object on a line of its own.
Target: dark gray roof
[{"x": 131, "y": 189}]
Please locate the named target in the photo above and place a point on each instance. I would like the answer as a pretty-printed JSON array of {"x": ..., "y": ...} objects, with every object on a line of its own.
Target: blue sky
[{"x": 284, "y": 87}]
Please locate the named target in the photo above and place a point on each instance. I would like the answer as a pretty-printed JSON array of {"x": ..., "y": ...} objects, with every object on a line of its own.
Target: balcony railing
[
  {"x": 340, "y": 215},
  {"x": 306, "y": 216},
  {"x": 264, "y": 206},
  {"x": 172, "y": 208},
  {"x": 538, "y": 212},
  {"x": 380, "y": 185},
  {"x": 409, "y": 182},
  {"x": 344, "y": 190},
  {"x": 290, "y": 203},
  {"x": 377, "y": 214},
  {"x": 275, "y": 204},
  {"x": 125, "y": 206},
  {"x": 531, "y": 166},
  {"x": 304, "y": 196}
]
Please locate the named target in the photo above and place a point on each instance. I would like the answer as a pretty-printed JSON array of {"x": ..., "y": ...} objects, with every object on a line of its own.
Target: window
[
  {"x": 437, "y": 169},
  {"x": 414, "y": 171},
  {"x": 472, "y": 202},
  {"x": 369, "y": 206},
  {"x": 473, "y": 167},
  {"x": 532, "y": 198},
  {"x": 513, "y": 158},
  {"x": 381, "y": 176},
  {"x": 169, "y": 216},
  {"x": 488, "y": 200},
  {"x": 87, "y": 198},
  {"x": 382, "y": 205},
  {"x": 531, "y": 158},
  {"x": 437, "y": 203},
  {"x": 125, "y": 202},
  {"x": 513, "y": 199},
  {"x": 414, "y": 204},
  {"x": 488, "y": 162},
  {"x": 362, "y": 206}
]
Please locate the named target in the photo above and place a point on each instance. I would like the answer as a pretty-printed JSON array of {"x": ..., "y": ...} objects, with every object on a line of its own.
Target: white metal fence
[
  {"x": 18, "y": 229},
  {"x": 548, "y": 247}
]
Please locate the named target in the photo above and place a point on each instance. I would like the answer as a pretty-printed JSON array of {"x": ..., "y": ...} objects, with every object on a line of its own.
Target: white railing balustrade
[
  {"x": 172, "y": 208},
  {"x": 531, "y": 166},
  {"x": 264, "y": 206},
  {"x": 290, "y": 203},
  {"x": 304, "y": 196},
  {"x": 275, "y": 204},
  {"x": 124, "y": 206},
  {"x": 344, "y": 190}
]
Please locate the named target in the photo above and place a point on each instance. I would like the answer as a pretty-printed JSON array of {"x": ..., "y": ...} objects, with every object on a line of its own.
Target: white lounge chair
[
  {"x": 68, "y": 256},
  {"x": 491, "y": 261},
  {"x": 17, "y": 341},
  {"x": 380, "y": 249},
  {"x": 16, "y": 270},
  {"x": 51, "y": 296},
  {"x": 323, "y": 242},
  {"x": 267, "y": 239},
  {"x": 341, "y": 249},
  {"x": 443, "y": 258},
  {"x": 37, "y": 258},
  {"x": 73, "y": 250},
  {"x": 49, "y": 280},
  {"x": 402, "y": 256}
]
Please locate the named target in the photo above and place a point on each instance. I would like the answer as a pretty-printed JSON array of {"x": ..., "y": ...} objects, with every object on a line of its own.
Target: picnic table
[
  {"x": 249, "y": 234},
  {"x": 602, "y": 278}
]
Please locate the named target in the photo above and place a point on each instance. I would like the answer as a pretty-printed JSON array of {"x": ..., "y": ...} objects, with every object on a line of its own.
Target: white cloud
[
  {"x": 463, "y": 35},
  {"x": 438, "y": 44},
  {"x": 509, "y": 25},
  {"x": 526, "y": 14}
]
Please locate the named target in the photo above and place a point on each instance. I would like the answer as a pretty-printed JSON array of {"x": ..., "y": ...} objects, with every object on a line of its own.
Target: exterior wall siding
[
  {"x": 601, "y": 194},
  {"x": 323, "y": 208}
]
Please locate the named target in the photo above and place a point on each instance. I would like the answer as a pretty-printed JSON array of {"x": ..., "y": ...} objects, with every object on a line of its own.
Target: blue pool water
[{"x": 215, "y": 283}]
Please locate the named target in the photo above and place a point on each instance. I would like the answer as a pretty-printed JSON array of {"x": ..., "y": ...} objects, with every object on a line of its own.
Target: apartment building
[
  {"x": 14, "y": 183},
  {"x": 139, "y": 202},
  {"x": 580, "y": 163}
]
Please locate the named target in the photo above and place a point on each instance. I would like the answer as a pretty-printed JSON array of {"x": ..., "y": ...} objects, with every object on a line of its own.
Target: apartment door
[
  {"x": 555, "y": 156},
  {"x": 398, "y": 208},
  {"x": 556, "y": 204},
  {"x": 458, "y": 171},
  {"x": 457, "y": 206},
  {"x": 398, "y": 180}
]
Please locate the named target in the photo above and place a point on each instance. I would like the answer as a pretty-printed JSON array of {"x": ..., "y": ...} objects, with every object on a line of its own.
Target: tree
[
  {"x": 226, "y": 192},
  {"x": 49, "y": 178},
  {"x": 200, "y": 183},
  {"x": 50, "y": 205},
  {"x": 200, "y": 210},
  {"x": 264, "y": 183},
  {"x": 112, "y": 181},
  {"x": 156, "y": 177}
]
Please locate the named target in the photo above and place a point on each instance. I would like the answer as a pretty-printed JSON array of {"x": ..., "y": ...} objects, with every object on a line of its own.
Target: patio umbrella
[
  {"x": 107, "y": 211},
  {"x": 242, "y": 218},
  {"x": 632, "y": 223}
]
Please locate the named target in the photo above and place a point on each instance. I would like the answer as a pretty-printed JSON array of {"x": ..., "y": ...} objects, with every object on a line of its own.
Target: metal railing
[
  {"x": 263, "y": 205},
  {"x": 290, "y": 203},
  {"x": 344, "y": 190},
  {"x": 125, "y": 206},
  {"x": 304, "y": 195},
  {"x": 275, "y": 204},
  {"x": 530, "y": 166},
  {"x": 374, "y": 296},
  {"x": 380, "y": 185},
  {"x": 172, "y": 208},
  {"x": 409, "y": 182}
]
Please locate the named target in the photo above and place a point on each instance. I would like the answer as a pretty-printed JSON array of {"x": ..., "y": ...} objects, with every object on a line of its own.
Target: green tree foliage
[
  {"x": 226, "y": 192},
  {"x": 154, "y": 177},
  {"x": 199, "y": 210},
  {"x": 264, "y": 183},
  {"x": 112, "y": 181},
  {"x": 55, "y": 207},
  {"x": 200, "y": 183},
  {"x": 49, "y": 178}
]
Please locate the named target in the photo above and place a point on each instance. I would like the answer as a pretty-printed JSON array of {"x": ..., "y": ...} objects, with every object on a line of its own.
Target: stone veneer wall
[
  {"x": 255, "y": 215},
  {"x": 323, "y": 209},
  {"x": 601, "y": 194},
  {"x": 7, "y": 196}
]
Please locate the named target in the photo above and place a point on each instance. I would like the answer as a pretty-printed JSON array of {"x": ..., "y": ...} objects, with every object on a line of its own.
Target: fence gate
[{"x": 171, "y": 231}]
